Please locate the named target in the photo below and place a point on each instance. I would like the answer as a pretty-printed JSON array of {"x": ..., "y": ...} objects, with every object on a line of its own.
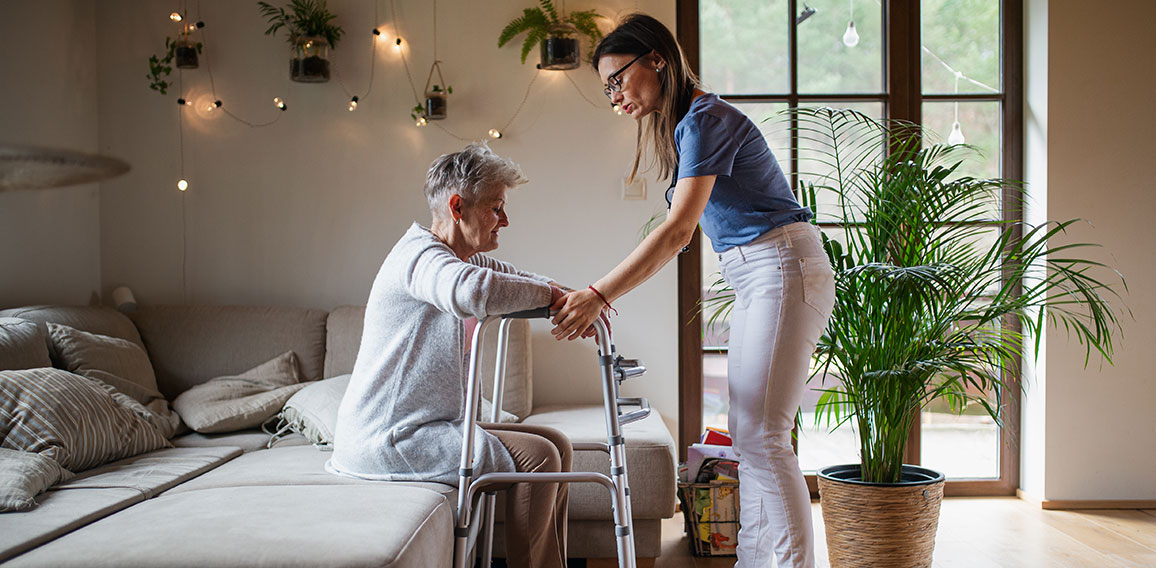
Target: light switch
[{"x": 633, "y": 191}]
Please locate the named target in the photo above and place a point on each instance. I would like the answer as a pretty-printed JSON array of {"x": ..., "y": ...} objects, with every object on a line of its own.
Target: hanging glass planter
[
  {"x": 560, "y": 48},
  {"x": 310, "y": 62},
  {"x": 186, "y": 53},
  {"x": 436, "y": 97}
]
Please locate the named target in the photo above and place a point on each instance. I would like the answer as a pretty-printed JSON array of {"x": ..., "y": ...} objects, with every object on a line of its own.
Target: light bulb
[
  {"x": 397, "y": 44},
  {"x": 421, "y": 121},
  {"x": 277, "y": 102},
  {"x": 182, "y": 185},
  {"x": 210, "y": 107},
  {"x": 617, "y": 108},
  {"x": 176, "y": 17},
  {"x": 956, "y": 136},
  {"x": 352, "y": 103},
  {"x": 851, "y": 37},
  {"x": 495, "y": 133}
]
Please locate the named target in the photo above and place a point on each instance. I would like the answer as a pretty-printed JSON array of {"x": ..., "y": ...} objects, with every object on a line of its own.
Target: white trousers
[{"x": 785, "y": 291}]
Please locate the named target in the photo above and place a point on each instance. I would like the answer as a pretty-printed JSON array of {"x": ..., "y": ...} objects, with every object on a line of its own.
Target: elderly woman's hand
[{"x": 576, "y": 313}]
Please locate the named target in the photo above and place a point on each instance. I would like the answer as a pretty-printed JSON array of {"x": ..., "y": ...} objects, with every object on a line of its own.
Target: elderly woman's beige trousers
[{"x": 535, "y": 512}]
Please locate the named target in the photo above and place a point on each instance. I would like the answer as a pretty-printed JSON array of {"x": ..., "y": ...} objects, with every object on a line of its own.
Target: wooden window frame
[{"x": 903, "y": 100}]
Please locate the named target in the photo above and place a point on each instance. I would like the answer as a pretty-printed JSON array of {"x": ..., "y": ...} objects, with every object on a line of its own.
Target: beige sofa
[{"x": 228, "y": 500}]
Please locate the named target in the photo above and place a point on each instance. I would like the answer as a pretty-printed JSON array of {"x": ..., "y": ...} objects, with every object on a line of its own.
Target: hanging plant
[
  {"x": 436, "y": 98},
  {"x": 311, "y": 35},
  {"x": 556, "y": 37},
  {"x": 185, "y": 53}
]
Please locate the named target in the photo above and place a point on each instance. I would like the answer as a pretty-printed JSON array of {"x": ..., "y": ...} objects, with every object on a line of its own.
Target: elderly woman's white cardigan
[{"x": 401, "y": 416}]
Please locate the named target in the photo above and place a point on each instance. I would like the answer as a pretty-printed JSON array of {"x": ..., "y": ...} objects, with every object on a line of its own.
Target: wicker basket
[
  {"x": 711, "y": 513},
  {"x": 880, "y": 525}
]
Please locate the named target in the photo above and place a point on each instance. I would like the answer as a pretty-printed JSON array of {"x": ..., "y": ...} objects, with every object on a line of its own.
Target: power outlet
[{"x": 633, "y": 191}]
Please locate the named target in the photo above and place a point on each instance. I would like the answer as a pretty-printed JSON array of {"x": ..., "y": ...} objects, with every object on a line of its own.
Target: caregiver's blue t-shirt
[{"x": 751, "y": 195}]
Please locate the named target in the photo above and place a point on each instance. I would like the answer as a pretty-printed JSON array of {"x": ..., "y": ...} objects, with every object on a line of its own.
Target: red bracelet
[{"x": 603, "y": 299}]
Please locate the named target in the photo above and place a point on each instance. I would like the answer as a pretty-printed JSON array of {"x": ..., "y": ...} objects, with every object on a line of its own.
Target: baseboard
[{"x": 1077, "y": 504}]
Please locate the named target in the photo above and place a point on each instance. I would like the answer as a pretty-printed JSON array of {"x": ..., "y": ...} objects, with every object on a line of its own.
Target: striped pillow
[{"x": 75, "y": 421}]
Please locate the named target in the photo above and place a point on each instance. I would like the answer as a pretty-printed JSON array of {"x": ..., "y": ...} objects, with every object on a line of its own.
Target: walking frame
[{"x": 471, "y": 517}]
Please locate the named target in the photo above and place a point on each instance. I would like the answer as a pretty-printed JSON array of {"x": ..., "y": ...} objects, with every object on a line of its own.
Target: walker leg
[
  {"x": 488, "y": 513},
  {"x": 623, "y": 523}
]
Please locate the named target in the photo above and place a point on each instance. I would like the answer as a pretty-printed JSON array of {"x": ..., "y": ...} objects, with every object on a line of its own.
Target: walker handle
[{"x": 530, "y": 314}]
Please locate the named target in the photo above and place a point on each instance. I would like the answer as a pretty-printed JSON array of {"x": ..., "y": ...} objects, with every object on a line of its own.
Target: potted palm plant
[
  {"x": 934, "y": 302},
  {"x": 556, "y": 37},
  {"x": 311, "y": 35}
]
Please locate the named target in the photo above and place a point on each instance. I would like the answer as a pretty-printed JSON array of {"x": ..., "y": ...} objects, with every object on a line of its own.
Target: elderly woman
[{"x": 401, "y": 418}]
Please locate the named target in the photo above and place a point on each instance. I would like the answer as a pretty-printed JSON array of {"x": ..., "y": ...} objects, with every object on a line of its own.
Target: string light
[
  {"x": 617, "y": 108},
  {"x": 397, "y": 44},
  {"x": 494, "y": 133},
  {"x": 176, "y": 16},
  {"x": 421, "y": 121},
  {"x": 216, "y": 104},
  {"x": 353, "y": 103},
  {"x": 182, "y": 185},
  {"x": 183, "y": 102},
  {"x": 277, "y": 102}
]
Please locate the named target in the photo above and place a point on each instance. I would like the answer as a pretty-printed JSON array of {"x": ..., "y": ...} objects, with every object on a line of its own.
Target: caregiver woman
[{"x": 729, "y": 182}]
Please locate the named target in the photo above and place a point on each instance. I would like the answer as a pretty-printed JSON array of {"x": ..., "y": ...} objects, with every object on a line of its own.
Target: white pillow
[{"x": 228, "y": 404}]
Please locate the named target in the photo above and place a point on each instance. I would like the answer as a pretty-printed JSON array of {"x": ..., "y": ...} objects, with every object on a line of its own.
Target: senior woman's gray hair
[{"x": 470, "y": 173}]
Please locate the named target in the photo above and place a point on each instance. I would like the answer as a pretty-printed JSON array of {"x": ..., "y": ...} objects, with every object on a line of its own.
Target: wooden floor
[{"x": 994, "y": 532}]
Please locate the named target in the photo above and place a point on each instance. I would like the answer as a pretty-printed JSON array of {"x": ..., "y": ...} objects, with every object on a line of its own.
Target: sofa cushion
[
  {"x": 23, "y": 476},
  {"x": 102, "y": 492},
  {"x": 228, "y": 404},
  {"x": 343, "y": 339},
  {"x": 22, "y": 345},
  {"x": 650, "y": 461},
  {"x": 58, "y": 513},
  {"x": 189, "y": 345},
  {"x": 383, "y": 524},
  {"x": 154, "y": 472},
  {"x": 294, "y": 465},
  {"x": 247, "y": 440},
  {"x": 93, "y": 319},
  {"x": 345, "y": 325},
  {"x": 77, "y": 422}
]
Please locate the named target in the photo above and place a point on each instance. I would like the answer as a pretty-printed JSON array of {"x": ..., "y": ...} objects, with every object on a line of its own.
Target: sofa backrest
[
  {"x": 189, "y": 345},
  {"x": 93, "y": 319},
  {"x": 343, "y": 339}
]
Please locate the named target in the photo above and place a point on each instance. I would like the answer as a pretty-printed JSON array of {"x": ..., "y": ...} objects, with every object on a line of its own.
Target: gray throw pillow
[
  {"x": 75, "y": 421},
  {"x": 22, "y": 345},
  {"x": 23, "y": 476},
  {"x": 228, "y": 404},
  {"x": 120, "y": 363}
]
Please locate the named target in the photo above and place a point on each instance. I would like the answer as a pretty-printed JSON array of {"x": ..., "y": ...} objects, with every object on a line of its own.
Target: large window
[{"x": 951, "y": 65}]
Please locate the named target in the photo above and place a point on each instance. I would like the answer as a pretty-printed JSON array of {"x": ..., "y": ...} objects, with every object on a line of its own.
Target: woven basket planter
[{"x": 874, "y": 525}]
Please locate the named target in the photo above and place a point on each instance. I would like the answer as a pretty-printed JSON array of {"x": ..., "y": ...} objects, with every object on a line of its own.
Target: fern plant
[
  {"x": 540, "y": 22},
  {"x": 305, "y": 18}
]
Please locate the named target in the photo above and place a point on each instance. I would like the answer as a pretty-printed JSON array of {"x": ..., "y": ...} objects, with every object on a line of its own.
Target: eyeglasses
[{"x": 613, "y": 83}]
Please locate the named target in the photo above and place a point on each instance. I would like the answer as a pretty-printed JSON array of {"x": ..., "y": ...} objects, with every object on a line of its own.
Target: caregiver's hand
[{"x": 576, "y": 313}]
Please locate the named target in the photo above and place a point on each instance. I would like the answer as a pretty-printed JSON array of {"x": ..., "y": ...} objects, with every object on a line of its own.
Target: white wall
[
  {"x": 1099, "y": 423},
  {"x": 49, "y": 239},
  {"x": 303, "y": 211}
]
